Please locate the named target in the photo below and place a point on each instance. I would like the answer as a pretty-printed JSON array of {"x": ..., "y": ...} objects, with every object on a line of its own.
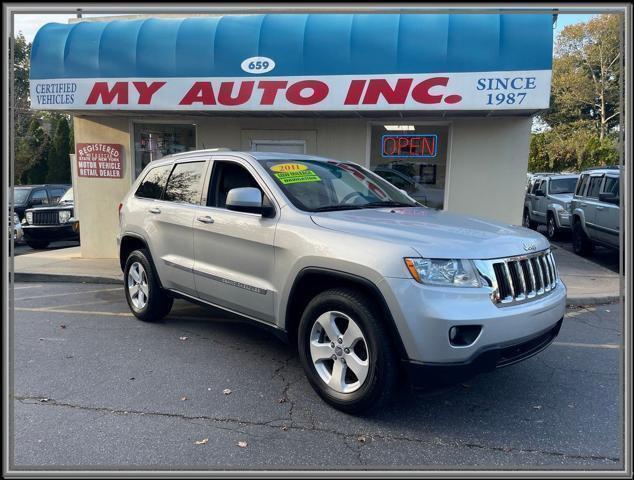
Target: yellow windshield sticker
[
  {"x": 301, "y": 176},
  {"x": 289, "y": 167}
]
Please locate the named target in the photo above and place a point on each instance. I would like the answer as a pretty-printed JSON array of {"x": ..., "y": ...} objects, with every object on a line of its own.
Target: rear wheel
[
  {"x": 147, "y": 300},
  {"x": 527, "y": 222},
  {"x": 346, "y": 351},
  {"x": 581, "y": 244},
  {"x": 37, "y": 244}
]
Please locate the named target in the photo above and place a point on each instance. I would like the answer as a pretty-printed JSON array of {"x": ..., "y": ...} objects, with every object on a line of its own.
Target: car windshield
[
  {"x": 320, "y": 186},
  {"x": 20, "y": 195},
  {"x": 67, "y": 197},
  {"x": 563, "y": 185}
]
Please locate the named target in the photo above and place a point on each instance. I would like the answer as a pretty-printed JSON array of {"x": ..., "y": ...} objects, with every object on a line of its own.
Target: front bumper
[
  {"x": 421, "y": 374},
  {"x": 424, "y": 315},
  {"x": 51, "y": 233}
]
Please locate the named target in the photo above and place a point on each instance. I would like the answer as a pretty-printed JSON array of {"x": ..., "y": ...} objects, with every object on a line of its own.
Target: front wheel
[
  {"x": 147, "y": 300},
  {"x": 346, "y": 351},
  {"x": 581, "y": 244},
  {"x": 527, "y": 222},
  {"x": 552, "y": 232}
]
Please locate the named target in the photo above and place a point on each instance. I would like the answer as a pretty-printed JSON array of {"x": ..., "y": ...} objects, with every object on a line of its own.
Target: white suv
[{"x": 363, "y": 279}]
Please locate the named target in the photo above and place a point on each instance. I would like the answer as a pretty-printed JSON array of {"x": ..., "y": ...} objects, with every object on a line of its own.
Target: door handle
[
  {"x": 583, "y": 204},
  {"x": 599, "y": 208},
  {"x": 205, "y": 219},
  {"x": 154, "y": 210}
]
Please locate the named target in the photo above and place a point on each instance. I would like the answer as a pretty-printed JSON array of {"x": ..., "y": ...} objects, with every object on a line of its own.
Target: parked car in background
[
  {"x": 596, "y": 210},
  {"x": 547, "y": 202},
  {"x": 15, "y": 230},
  {"x": 365, "y": 280},
  {"x": 43, "y": 225},
  {"x": 28, "y": 196}
]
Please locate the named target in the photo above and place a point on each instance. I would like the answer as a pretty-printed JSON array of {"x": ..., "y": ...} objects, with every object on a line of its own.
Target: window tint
[
  {"x": 611, "y": 185},
  {"x": 227, "y": 175},
  {"x": 593, "y": 189},
  {"x": 39, "y": 197},
  {"x": 185, "y": 182},
  {"x": 56, "y": 194},
  {"x": 581, "y": 184},
  {"x": 154, "y": 182}
]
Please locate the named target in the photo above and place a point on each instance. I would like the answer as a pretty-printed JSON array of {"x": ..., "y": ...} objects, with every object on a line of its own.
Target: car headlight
[
  {"x": 64, "y": 215},
  {"x": 29, "y": 217},
  {"x": 446, "y": 272},
  {"x": 16, "y": 219}
]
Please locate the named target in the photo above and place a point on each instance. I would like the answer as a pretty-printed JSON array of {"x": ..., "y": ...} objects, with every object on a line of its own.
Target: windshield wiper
[
  {"x": 388, "y": 203},
  {"x": 332, "y": 208}
]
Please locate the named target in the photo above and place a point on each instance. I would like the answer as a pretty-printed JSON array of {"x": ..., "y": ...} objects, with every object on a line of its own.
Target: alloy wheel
[
  {"x": 138, "y": 286},
  {"x": 551, "y": 227},
  {"x": 339, "y": 352}
]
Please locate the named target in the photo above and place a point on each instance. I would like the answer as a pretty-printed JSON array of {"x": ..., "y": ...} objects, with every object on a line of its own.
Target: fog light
[{"x": 464, "y": 335}]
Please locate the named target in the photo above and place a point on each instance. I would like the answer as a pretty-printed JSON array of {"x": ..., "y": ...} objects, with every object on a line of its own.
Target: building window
[
  {"x": 153, "y": 141},
  {"x": 412, "y": 158}
]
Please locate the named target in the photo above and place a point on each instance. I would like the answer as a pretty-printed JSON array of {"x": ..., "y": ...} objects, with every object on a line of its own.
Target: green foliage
[
  {"x": 32, "y": 151},
  {"x": 58, "y": 155},
  {"x": 585, "y": 102}
]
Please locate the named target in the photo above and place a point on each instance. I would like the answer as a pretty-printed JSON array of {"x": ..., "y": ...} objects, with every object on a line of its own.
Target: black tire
[
  {"x": 581, "y": 244},
  {"x": 37, "y": 244},
  {"x": 159, "y": 301},
  {"x": 527, "y": 222},
  {"x": 383, "y": 369},
  {"x": 552, "y": 232}
]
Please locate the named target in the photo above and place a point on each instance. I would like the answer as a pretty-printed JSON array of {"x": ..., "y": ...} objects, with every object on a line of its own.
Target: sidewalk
[{"x": 587, "y": 282}]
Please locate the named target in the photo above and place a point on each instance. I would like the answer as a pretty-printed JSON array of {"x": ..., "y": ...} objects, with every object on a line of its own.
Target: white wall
[{"x": 486, "y": 173}]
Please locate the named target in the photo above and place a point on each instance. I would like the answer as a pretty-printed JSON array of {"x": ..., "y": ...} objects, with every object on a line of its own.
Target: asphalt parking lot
[{"x": 95, "y": 388}]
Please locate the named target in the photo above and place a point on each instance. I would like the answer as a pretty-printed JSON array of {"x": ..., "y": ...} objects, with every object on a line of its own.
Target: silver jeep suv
[
  {"x": 366, "y": 282},
  {"x": 596, "y": 211}
]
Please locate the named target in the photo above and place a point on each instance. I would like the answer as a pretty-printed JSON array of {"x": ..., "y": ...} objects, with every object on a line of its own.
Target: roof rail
[{"x": 219, "y": 149}]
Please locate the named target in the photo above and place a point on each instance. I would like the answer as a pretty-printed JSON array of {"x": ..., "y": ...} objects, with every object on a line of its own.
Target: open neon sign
[{"x": 409, "y": 145}]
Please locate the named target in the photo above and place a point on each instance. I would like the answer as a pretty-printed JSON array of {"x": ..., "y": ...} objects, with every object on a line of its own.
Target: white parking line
[
  {"x": 27, "y": 286},
  {"x": 69, "y": 293},
  {"x": 588, "y": 345}
]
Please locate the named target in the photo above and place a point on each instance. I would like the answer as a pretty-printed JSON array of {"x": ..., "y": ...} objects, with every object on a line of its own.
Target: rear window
[
  {"x": 611, "y": 185},
  {"x": 154, "y": 182},
  {"x": 185, "y": 183},
  {"x": 20, "y": 195}
]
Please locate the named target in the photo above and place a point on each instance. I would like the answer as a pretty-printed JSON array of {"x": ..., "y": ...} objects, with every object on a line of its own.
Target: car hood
[
  {"x": 561, "y": 197},
  {"x": 436, "y": 234},
  {"x": 59, "y": 206}
]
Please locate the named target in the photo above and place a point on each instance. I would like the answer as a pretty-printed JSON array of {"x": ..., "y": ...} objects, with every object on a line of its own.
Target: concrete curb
[{"x": 53, "y": 277}]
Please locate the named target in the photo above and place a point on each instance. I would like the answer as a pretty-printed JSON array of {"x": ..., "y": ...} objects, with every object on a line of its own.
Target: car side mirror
[
  {"x": 609, "y": 197},
  {"x": 249, "y": 200}
]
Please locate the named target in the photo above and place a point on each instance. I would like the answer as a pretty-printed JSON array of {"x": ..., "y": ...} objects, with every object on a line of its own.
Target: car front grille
[
  {"x": 46, "y": 218},
  {"x": 521, "y": 278}
]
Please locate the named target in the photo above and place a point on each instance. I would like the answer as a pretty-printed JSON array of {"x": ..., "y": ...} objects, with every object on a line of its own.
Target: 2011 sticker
[
  {"x": 298, "y": 176},
  {"x": 288, "y": 167}
]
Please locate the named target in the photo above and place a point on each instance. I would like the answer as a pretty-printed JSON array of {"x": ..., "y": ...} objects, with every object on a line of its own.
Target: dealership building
[{"x": 441, "y": 105}]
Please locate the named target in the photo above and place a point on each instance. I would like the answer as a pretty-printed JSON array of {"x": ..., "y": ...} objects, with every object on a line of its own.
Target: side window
[
  {"x": 226, "y": 176},
  {"x": 154, "y": 182},
  {"x": 536, "y": 186},
  {"x": 593, "y": 188},
  {"x": 581, "y": 185},
  {"x": 56, "y": 194},
  {"x": 611, "y": 185},
  {"x": 185, "y": 183},
  {"x": 543, "y": 186},
  {"x": 39, "y": 197}
]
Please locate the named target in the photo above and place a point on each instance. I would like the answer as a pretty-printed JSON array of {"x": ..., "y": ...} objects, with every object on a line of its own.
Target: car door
[
  {"x": 234, "y": 251},
  {"x": 590, "y": 203},
  {"x": 169, "y": 222},
  {"x": 607, "y": 218},
  {"x": 538, "y": 200}
]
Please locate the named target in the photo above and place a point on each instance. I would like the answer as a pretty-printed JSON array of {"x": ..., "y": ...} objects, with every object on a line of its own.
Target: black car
[
  {"x": 43, "y": 225},
  {"x": 28, "y": 196}
]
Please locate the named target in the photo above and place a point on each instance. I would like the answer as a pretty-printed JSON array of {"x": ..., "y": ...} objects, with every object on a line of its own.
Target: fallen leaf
[
  {"x": 183, "y": 338},
  {"x": 204, "y": 441},
  {"x": 608, "y": 311},
  {"x": 227, "y": 391},
  {"x": 242, "y": 444},
  {"x": 64, "y": 326},
  {"x": 284, "y": 428},
  {"x": 132, "y": 378},
  {"x": 537, "y": 407},
  {"x": 44, "y": 399},
  {"x": 183, "y": 399},
  {"x": 282, "y": 400},
  {"x": 361, "y": 439}
]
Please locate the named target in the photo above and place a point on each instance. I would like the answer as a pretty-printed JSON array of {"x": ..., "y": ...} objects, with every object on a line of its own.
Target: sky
[{"x": 28, "y": 24}]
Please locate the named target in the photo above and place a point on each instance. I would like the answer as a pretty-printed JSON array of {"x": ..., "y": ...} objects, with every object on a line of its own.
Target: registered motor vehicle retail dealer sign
[{"x": 99, "y": 160}]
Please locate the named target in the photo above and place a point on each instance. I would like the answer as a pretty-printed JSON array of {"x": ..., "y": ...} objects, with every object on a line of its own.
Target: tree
[
  {"x": 587, "y": 73},
  {"x": 58, "y": 157},
  {"x": 36, "y": 145}
]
